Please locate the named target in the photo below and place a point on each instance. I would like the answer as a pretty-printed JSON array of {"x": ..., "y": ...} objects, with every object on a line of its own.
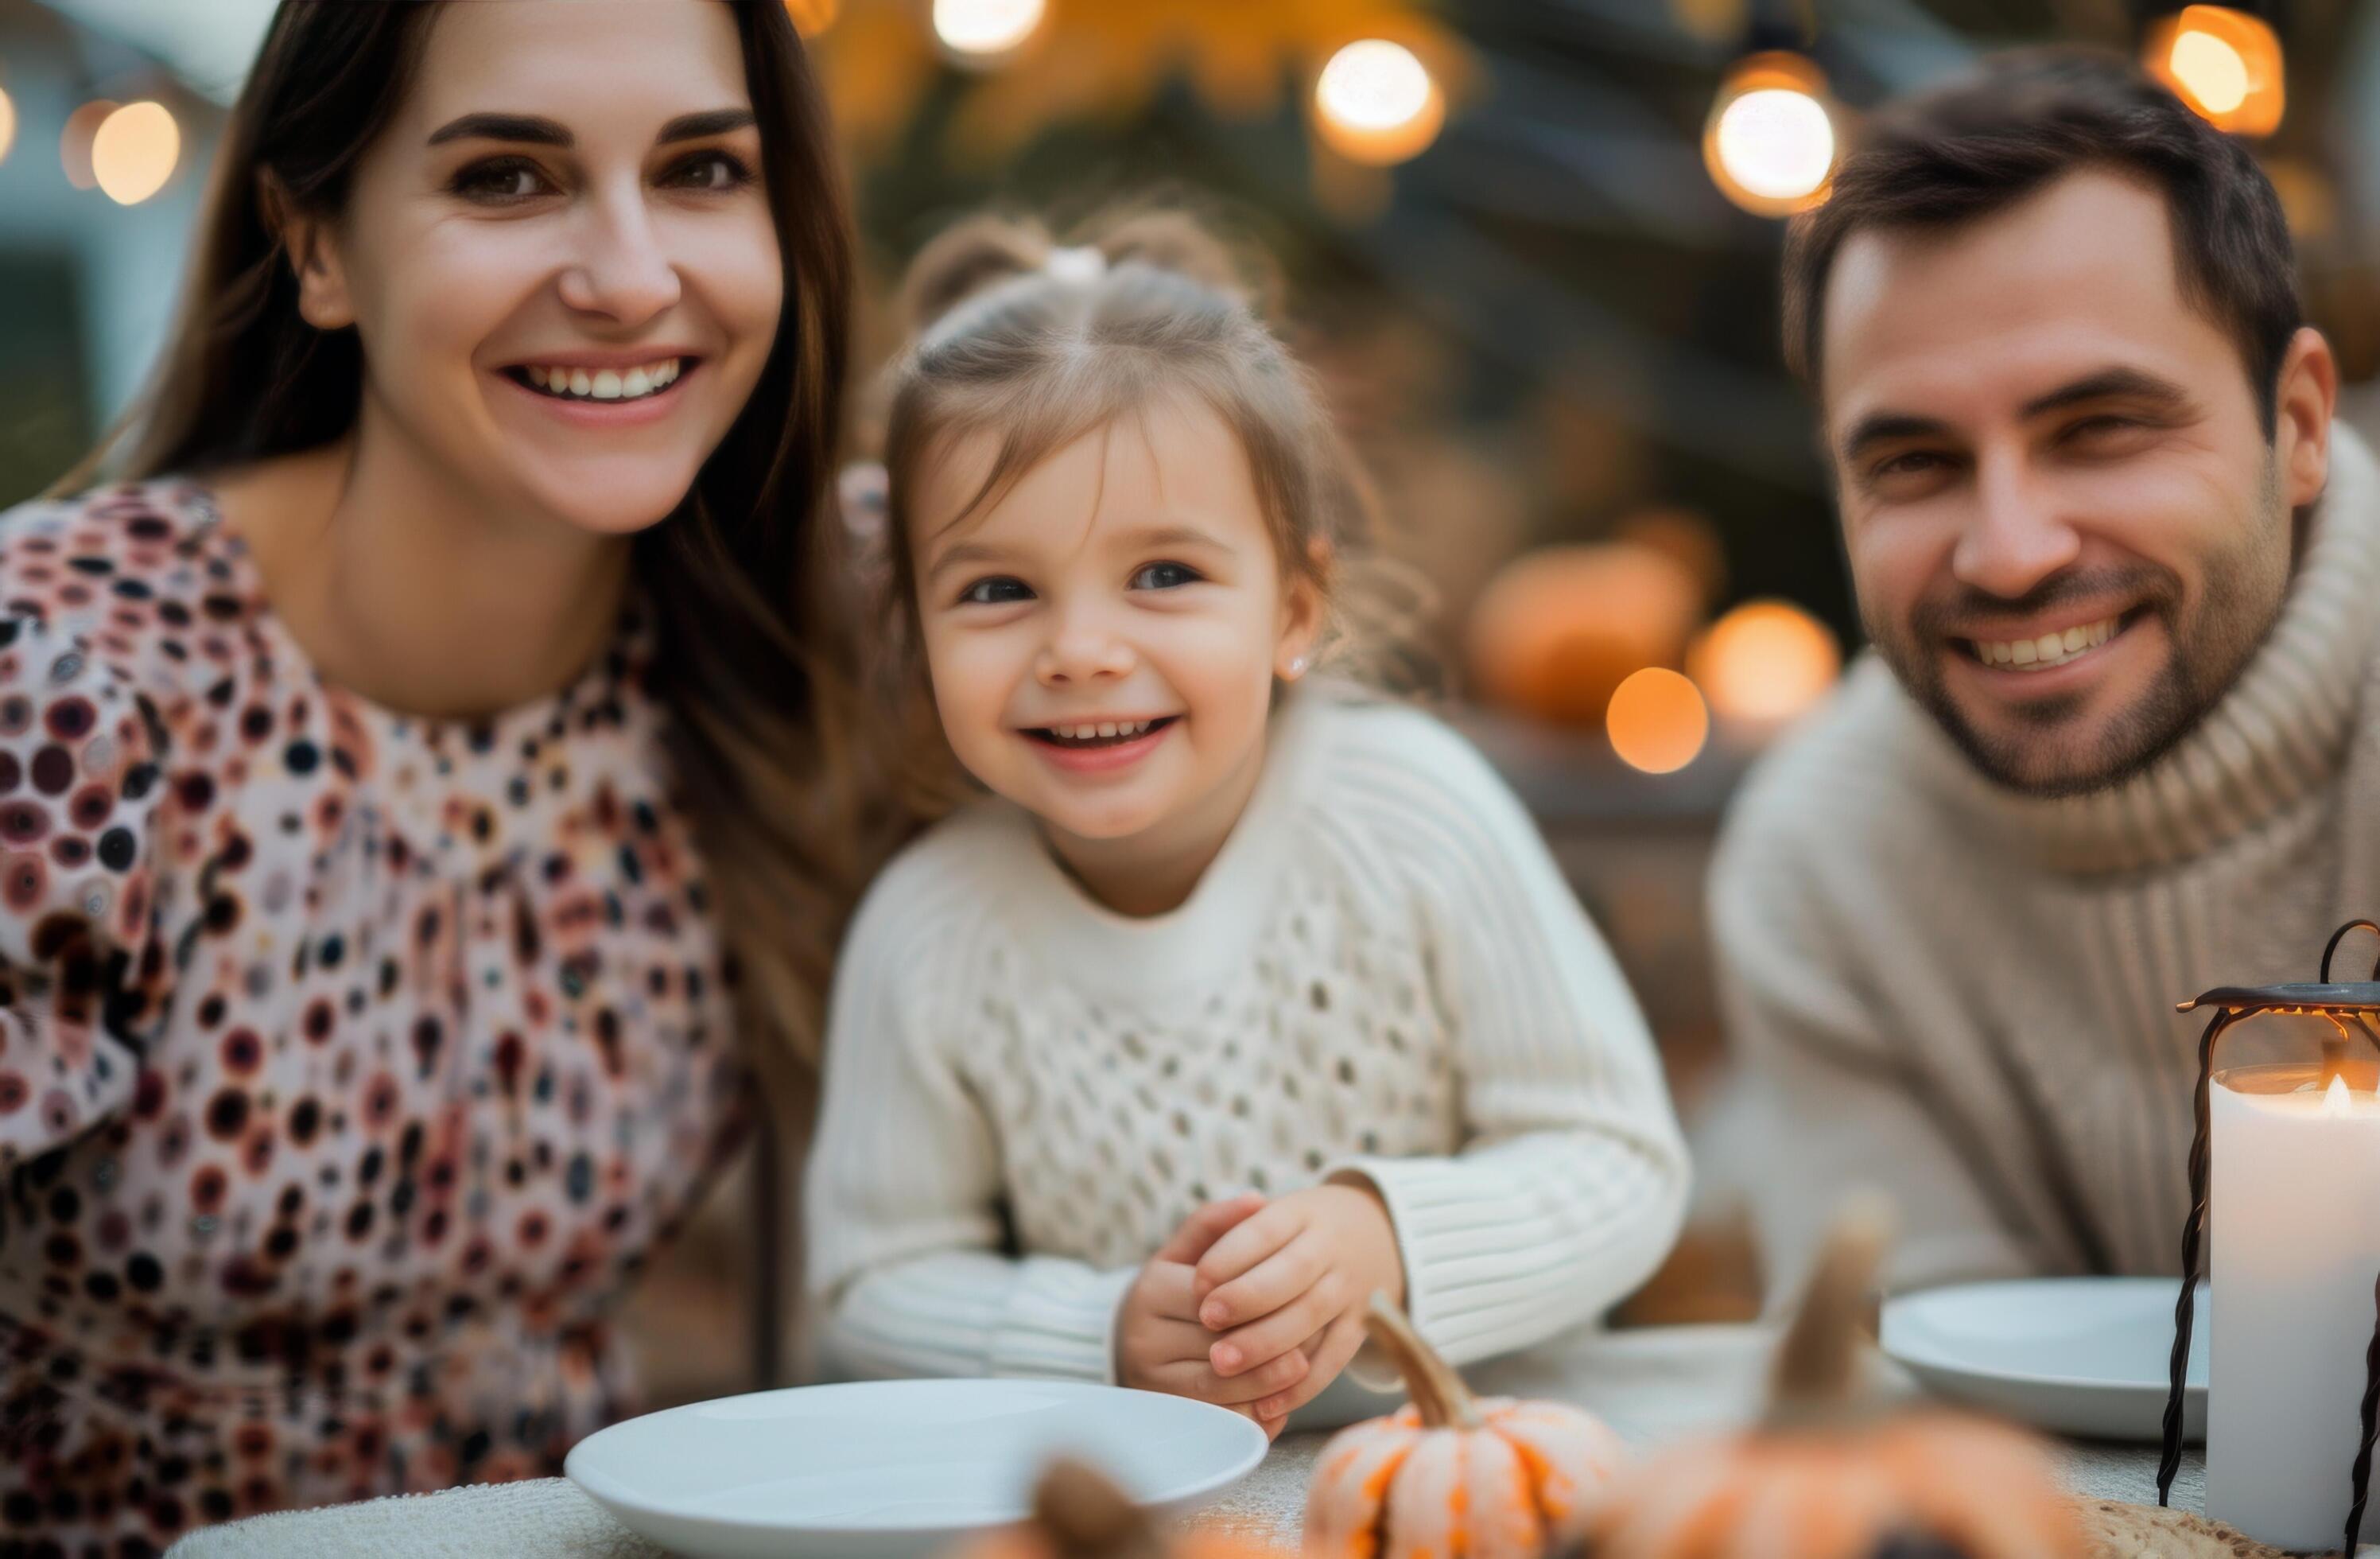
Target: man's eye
[
  {"x": 2100, "y": 427},
  {"x": 500, "y": 180},
  {"x": 1165, "y": 575},
  {"x": 1910, "y": 463},
  {"x": 994, "y": 592}
]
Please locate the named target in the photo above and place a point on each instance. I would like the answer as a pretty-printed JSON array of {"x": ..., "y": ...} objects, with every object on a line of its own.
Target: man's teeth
[
  {"x": 1103, "y": 728},
  {"x": 604, "y": 384},
  {"x": 2049, "y": 649}
]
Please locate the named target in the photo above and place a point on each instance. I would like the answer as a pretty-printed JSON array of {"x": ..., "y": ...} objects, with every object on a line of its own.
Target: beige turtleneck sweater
[{"x": 1966, "y": 997}]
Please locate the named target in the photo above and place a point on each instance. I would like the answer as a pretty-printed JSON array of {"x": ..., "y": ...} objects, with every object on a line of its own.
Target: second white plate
[{"x": 2078, "y": 1355}]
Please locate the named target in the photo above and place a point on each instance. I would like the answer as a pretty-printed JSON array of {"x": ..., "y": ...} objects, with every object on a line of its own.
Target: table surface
[{"x": 1655, "y": 1386}]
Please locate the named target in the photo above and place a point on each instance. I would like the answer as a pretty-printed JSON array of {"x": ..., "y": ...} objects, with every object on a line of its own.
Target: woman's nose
[{"x": 623, "y": 271}]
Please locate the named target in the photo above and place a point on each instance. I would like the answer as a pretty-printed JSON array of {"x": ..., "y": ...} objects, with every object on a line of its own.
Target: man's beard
[{"x": 2209, "y": 649}]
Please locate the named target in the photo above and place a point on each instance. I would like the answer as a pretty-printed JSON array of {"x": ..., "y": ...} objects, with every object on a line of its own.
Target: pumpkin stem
[
  {"x": 1085, "y": 1515},
  {"x": 1432, "y": 1384},
  {"x": 1818, "y": 1376}
]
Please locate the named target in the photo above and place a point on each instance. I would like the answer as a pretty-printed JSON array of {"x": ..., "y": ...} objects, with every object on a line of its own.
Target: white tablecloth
[{"x": 1655, "y": 1386}]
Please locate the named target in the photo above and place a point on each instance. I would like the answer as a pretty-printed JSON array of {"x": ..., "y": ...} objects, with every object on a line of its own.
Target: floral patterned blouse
[{"x": 350, "y": 1064}]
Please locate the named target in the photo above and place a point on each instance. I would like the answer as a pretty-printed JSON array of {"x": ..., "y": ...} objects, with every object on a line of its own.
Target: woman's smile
[{"x": 606, "y": 390}]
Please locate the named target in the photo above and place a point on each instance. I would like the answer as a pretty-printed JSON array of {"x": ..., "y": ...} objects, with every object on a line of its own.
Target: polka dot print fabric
[{"x": 349, "y": 1064}]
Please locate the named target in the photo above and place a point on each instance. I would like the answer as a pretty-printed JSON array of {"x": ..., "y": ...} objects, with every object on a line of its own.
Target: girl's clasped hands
[{"x": 1257, "y": 1305}]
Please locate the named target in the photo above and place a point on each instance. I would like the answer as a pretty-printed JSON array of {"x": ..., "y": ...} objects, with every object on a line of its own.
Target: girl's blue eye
[
  {"x": 994, "y": 592},
  {"x": 1165, "y": 575}
]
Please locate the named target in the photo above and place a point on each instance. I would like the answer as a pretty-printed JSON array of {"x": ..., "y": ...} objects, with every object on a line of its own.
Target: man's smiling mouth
[{"x": 2049, "y": 650}]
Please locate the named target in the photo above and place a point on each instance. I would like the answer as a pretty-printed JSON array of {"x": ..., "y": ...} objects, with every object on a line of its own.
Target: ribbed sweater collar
[{"x": 2280, "y": 735}]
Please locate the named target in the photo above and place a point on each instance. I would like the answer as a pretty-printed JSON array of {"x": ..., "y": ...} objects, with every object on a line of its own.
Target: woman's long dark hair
[{"x": 744, "y": 576}]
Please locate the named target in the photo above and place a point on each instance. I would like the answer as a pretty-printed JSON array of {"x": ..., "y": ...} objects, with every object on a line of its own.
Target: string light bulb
[
  {"x": 134, "y": 151},
  {"x": 1657, "y": 722},
  {"x": 1375, "y": 103},
  {"x": 2224, "y": 64},
  {"x": 1770, "y": 142},
  {"x": 1765, "y": 663},
  {"x": 980, "y": 32},
  {"x": 74, "y": 141}
]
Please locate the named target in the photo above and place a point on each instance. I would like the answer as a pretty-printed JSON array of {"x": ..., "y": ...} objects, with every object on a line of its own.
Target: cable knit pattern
[
  {"x": 1967, "y": 996},
  {"x": 1382, "y": 973}
]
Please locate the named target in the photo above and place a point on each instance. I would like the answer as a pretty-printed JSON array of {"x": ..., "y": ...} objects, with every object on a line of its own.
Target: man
[{"x": 2118, "y": 741}]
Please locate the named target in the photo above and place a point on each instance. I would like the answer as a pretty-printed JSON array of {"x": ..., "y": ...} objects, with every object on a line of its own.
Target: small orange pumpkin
[
  {"x": 1487, "y": 1478},
  {"x": 1079, "y": 1514},
  {"x": 1829, "y": 1476}
]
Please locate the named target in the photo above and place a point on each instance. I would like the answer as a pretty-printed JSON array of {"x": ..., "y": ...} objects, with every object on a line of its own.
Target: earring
[{"x": 1297, "y": 667}]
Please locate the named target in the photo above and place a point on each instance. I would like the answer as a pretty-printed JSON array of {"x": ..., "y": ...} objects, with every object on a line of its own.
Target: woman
[{"x": 385, "y": 767}]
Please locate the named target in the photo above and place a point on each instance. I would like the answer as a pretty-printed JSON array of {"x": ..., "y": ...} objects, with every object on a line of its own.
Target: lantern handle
[
  {"x": 2193, "y": 1230},
  {"x": 2341, "y": 935}
]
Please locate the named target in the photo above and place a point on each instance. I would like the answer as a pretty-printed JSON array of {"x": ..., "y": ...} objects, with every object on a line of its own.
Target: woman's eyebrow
[
  {"x": 713, "y": 121},
  {"x": 540, "y": 131},
  {"x": 531, "y": 127}
]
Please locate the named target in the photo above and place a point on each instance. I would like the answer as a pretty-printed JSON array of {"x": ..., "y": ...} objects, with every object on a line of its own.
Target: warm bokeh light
[
  {"x": 74, "y": 142},
  {"x": 980, "y": 30},
  {"x": 1770, "y": 142},
  {"x": 1558, "y": 629},
  {"x": 2224, "y": 63},
  {"x": 134, "y": 151},
  {"x": 1657, "y": 722},
  {"x": 813, "y": 17},
  {"x": 1375, "y": 103},
  {"x": 2308, "y": 198},
  {"x": 1765, "y": 663},
  {"x": 7, "y": 126}
]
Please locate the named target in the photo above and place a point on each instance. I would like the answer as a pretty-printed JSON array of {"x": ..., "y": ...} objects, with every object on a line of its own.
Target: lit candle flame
[{"x": 2334, "y": 1101}]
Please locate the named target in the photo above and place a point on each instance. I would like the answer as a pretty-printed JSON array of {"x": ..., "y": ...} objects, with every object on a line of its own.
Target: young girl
[{"x": 1239, "y": 997}]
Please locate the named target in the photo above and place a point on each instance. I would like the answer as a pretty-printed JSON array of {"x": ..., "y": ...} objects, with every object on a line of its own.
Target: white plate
[
  {"x": 893, "y": 1468},
  {"x": 2080, "y": 1355}
]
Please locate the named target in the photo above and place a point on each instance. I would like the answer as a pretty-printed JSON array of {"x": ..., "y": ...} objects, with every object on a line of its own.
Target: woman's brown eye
[
  {"x": 711, "y": 170},
  {"x": 506, "y": 180}
]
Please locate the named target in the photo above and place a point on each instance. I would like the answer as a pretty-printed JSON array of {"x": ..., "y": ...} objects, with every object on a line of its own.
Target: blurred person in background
[
  {"x": 2117, "y": 741},
  {"x": 1251, "y": 993},
  {"x": 395, "y": 762}
]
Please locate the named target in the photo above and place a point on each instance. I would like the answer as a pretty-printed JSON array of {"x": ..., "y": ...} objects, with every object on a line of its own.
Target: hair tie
[{"x": 1083, "y": 265}]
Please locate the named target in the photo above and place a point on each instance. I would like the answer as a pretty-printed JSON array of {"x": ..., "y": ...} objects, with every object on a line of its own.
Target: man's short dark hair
[{"x": 2023, "y": 119}]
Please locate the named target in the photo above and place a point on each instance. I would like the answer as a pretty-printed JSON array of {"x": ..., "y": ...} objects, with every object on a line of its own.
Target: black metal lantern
[{"x": 2353, "y": 1013}]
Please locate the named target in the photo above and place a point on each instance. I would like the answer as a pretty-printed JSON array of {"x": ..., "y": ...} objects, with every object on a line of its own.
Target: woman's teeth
[
  {"x": 605, "y": 383},
  {"x": 2049, "y": 649}
]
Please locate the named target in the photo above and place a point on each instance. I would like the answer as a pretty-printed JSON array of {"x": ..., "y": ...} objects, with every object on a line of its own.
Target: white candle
[{"x": 2293, "y": 1237}]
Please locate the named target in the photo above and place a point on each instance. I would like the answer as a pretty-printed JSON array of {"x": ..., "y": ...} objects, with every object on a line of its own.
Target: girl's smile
[{"x": 1105, "y": 746}]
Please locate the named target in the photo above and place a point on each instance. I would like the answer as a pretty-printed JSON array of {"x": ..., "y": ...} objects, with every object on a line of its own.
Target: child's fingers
[
  {"x": 1207, "y": 1226},
  {"x": 1278, "y": 1332},
  {"x": 1274, "y": 1282},
  {"x": 1174, "y": 1342},
  {"x": 1284, "y": 1372},
  {"x": 1193, "y": 1377},
  {"x": 1271, "y": 1426},
  {"x": 1249, "y": 1243},
  {"x": 1338, "y": 1346},
  {"x": 1167, "y": 1289}
]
